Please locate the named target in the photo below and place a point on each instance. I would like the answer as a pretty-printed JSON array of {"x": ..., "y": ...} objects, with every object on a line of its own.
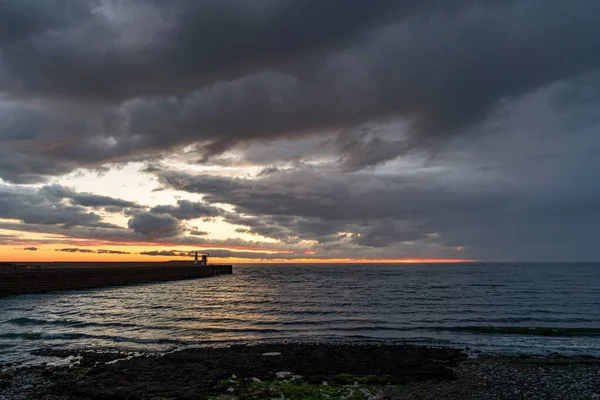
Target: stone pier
[{"x": 18, "y": 279}]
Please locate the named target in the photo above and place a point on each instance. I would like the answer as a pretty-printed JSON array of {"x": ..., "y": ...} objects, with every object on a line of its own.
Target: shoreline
[{"x": 327, "y": 371}]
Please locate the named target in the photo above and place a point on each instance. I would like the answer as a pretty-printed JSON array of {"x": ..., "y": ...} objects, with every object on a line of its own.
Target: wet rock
[{"x": 5, "y": 379}]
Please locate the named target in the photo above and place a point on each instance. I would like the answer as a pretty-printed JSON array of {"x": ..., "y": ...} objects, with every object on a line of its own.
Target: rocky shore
[{"x": 303, "y": 371}]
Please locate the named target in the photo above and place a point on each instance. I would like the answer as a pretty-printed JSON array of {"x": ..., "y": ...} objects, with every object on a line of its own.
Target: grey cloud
[
  {"x": 24, "y": 168},
  {"x": 290, "y": 152},
  {"x": 115, "y": 209},
  {"x": 309, "y": 194},
  {"x": 111, "y": 234},
  {"x": 358, "y": 150},
  {"x": 303, "y": 193},
  {"x": 440, "y": 67},
  {"x": 88, "y": 251},
  {"x": 186, "y": 209},
  {"x": 382, "y": 233},
  {"x": 443, "y": 74},
  {"x": 20, "y": 19},
  {"x": 30, "y": 249},
  {"x": 155, "y": 225},
  {"x": 75, "y": 250},
  {"x": 168, "y": 46},
  {"x": 288, "y": 229},
  {"x": 32, "y": 207},
  {"x": 166, "y": 253},
  {"x": 58, "y": 192},
  {"x": 488, "y": 218},
  {"x": 103, "y": 251}
]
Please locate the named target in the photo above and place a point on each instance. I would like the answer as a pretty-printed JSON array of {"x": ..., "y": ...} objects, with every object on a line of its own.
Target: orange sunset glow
[{"x": 51, "y": 253}]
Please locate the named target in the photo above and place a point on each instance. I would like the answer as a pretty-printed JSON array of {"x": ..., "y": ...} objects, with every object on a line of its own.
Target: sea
[{"x": 508, "y": 308}]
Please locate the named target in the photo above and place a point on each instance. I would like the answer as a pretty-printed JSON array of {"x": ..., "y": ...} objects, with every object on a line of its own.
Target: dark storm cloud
[
  {"x": 33, "y": 207},
  {"x": 112, "y": 234},
  {"x": 186, "y": 209},
  {"x": 358, "y": 150},
  {"x": 58, "y": 192},
  {"x": 288, "y": 229},
  {"x": 332, "y": 196},
  {"x": 155, "y": 225},
  {"x": 311, "y": 205},
  {"x": 120, "y": 50},
  {"x": 440, "y": 67},
  {"x": 20, "y": 19},
  {"x": 442, "y": 74},
  {"x": 26, "y": 168},
  {"x": 488, "y": 218}
]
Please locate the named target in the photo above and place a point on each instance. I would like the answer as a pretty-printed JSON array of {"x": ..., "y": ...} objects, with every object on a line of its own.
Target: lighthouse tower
[{"x": 203, "y": 262}]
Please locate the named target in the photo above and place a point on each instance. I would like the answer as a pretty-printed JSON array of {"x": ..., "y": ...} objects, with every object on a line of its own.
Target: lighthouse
[{"x": 203, "y": 262}]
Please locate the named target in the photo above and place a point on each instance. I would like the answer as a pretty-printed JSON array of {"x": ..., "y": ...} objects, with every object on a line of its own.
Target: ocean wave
[
  {"x": 49, "y": 336},
  {"x": 489, "y": 330},
  {"x": 66, "y": 322},
  {"x": 522, "y": 330},
  {"x": 44, "y": 336}
]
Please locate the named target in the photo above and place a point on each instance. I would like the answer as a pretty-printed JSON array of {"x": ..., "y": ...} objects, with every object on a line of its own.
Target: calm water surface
[{"x": 533, "y": 308}]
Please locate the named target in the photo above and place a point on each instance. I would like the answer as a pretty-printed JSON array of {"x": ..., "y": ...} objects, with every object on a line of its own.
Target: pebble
[{"x": 510, "y": 379}]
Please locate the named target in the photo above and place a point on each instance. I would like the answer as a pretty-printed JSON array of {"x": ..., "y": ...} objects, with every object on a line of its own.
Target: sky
[{"x": 300, "y": 130}]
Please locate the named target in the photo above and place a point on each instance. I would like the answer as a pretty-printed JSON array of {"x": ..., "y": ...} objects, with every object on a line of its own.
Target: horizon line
[{"x": 338, "y": 261}]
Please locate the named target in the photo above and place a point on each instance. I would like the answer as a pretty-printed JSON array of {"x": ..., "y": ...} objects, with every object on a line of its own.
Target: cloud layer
[
  {"x": 106, "y": 80},
  {"x": 462, "y": 128}
]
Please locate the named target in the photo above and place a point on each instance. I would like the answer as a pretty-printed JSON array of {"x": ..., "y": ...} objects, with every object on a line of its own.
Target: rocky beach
[{"x": 302, "y": 371}]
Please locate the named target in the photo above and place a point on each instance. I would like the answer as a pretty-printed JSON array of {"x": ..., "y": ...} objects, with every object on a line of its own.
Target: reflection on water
[{"x": 542, "y": 308}]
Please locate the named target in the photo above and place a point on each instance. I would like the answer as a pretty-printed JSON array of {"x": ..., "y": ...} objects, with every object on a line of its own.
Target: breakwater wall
[{"x": 18, "y": 279}]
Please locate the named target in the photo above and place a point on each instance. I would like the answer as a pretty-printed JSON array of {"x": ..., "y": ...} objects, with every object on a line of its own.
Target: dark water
[{"x": 532, "y": 308}]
